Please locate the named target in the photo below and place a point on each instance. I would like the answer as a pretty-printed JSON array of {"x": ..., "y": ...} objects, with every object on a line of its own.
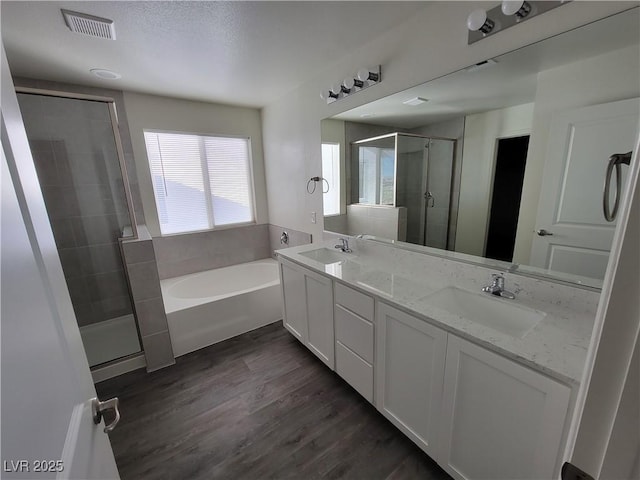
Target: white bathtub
[{"x": 207, "y": 307}]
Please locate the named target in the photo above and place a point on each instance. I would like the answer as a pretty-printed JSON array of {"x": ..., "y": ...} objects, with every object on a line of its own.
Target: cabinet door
[
  {"x": 501, "y": 420},
  {"x": 409, "y": 374},
  {"x": 294, "y": 301},
  {"x": 320, "y": 339}
]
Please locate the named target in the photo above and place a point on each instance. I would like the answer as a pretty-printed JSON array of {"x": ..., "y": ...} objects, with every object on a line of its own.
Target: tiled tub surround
[
  {"x": 556, "y": 346},
  {"x": 142, "y": 271},
  {"x": 296, "y": 238},
  {"x": 178, "y": 255}
]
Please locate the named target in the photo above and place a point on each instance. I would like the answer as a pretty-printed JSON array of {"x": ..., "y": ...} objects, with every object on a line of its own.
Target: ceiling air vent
[{"x": 89, "y": 25}]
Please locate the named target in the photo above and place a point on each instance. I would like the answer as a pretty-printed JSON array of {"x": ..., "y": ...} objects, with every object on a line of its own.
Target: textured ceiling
[{"x": 242, "y": 53}]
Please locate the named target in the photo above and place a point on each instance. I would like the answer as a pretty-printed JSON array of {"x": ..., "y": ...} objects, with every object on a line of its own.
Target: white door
[
  {"x": 570, "y": 207},
  {"x": 320, "y": 317},
  {"x": 500, "y": 420},
  {"x": 294, "y": 301},
  {"x": 47, "y": 425},
  {"x": 409, "y": 375}
]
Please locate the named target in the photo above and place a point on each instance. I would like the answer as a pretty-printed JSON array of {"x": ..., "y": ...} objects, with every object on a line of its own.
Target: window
[
  {"x": 376, "y": 170},
  {"x": 331, "y": 173},
  {"x": 199, "y": 182}
]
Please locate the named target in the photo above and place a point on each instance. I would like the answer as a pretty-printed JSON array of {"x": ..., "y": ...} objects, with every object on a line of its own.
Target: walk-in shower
[
  {"x": 78, "y": 158},
  {"x": 410, "y": 175}
]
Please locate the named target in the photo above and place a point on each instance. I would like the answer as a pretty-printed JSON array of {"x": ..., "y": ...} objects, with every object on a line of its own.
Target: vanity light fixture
[
  {"x": 483, "y": 23},
  {"x": 365, "y": 77}
]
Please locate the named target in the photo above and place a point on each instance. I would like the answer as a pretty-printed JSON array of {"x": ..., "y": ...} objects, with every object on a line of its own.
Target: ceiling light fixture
[
  {"x": 365, "y": 77},
  {"x": 106, "y": 74}
]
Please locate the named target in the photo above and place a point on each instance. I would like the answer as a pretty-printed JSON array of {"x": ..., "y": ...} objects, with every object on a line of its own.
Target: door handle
[
  {"x": 615, "y": 161},
  {"x": 98, "y": 407},
  {"x": 430, "y": 198},
  {"x": 543, "y": 233}
]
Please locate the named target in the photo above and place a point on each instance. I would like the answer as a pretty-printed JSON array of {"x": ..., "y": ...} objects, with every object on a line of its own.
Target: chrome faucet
[
  {"x": 497, "y": 287},
  {"x": 344, "y": 245}
]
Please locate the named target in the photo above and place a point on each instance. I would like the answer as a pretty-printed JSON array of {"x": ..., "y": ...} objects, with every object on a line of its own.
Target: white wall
[
  {"x": 600, "y": 79},
  {"x": 481, "y": 132},
  {"x": 430, "y": 44},
  {"x": 163, "y": 113}
]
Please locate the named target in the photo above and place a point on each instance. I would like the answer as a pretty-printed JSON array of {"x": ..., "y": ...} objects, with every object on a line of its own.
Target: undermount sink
[
  {"x": 497, "y": 314},
  {"x": 326, "y": 255}
]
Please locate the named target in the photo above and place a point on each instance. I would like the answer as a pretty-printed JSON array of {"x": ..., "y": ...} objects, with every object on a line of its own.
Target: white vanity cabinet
[
  {"x": 478, "y": 414},
  {"x": 409, "y": 374},
  {"x": 355, "y": 338},
  {"x": 308, "y": 309},
  {"x": 500, "y": 420}
]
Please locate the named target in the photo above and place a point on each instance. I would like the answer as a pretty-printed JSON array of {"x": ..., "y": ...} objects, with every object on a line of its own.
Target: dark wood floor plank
[{"x": 256, "y": 406}]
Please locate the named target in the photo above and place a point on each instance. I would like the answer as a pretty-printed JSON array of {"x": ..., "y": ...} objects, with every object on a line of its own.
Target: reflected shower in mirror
[{"x": 504, "y": 160}]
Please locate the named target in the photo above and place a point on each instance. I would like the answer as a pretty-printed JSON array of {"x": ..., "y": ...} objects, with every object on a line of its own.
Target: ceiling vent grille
[{"x": 89, "y": 25}]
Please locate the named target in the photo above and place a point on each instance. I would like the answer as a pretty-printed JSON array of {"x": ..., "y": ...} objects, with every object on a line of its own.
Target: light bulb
[
  {"x": 365, "y": 74},
  {"x": 348, "y": 83},
  {"x": 516, "y": 7},
  {"x": 336, "y": 88},
  {"x": 477, "y": 20}
]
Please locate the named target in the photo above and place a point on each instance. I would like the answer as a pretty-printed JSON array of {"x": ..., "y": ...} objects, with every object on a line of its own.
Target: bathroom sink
[
  {"x": 497, "y": 314},
  {"x": 326, "y": 255}
]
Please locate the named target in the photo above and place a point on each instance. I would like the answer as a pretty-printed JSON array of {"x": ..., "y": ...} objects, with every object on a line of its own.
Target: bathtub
[{"x": 207, "y": 307}]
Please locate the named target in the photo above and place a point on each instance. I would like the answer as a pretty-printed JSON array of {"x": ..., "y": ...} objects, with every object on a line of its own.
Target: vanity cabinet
[
  {"x": 355, "y": 338},
  {"x": 308, "y": 309},
  {"x": 409, "y": 374},
  {"x": 478, "y": 414},
  {"x": 499, "y": 419}
]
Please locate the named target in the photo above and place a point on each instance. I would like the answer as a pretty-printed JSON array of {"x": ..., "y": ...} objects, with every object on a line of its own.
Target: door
[
  {"x": 294, "y": 301},
  {"x": 500, "y": 420},
  {"x": 47, "y": 423},
  {"x": 409, "y": 372},
  {"x": 320, "y": 317},
  {"x": 570, "y": 207}
]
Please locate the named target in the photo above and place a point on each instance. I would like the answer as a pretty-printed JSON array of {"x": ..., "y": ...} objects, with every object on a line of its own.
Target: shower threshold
[{"x": 110, "y": 339}]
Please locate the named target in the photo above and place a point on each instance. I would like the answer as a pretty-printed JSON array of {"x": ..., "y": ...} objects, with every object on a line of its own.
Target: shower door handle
[
  {"x": 430, "y": 198},
  {"x": 98, "y": 407}
]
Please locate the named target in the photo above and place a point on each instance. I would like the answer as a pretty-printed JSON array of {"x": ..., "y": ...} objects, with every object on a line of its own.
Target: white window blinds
[{"x": 199, "y": 182}]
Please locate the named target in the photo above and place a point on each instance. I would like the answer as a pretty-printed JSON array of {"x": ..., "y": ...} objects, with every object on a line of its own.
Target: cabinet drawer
[
  {"x": 354, "y": 332},
  {"x": 355, "y": 301},
  {"x": 357, "y": 372}
]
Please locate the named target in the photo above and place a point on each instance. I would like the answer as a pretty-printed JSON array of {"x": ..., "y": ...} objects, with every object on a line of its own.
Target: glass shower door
[{"x": 76, "y": 158}]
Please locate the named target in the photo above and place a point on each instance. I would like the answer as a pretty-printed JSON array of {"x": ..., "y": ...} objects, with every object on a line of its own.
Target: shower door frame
[{"x": 113, "y": 115}]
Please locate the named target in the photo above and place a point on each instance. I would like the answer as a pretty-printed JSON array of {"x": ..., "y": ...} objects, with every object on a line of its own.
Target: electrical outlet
[{"x": 313, "y": 217}]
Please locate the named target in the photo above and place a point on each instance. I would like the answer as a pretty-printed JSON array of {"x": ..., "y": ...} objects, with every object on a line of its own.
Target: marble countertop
[{"x": 556, "y": 346}]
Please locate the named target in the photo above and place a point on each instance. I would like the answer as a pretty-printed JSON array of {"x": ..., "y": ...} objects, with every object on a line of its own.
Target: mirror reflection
[{"x": 504, "y": 160}]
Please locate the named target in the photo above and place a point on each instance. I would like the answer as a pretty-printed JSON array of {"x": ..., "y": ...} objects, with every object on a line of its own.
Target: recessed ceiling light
[
  {"x": 108, "y": 74},
  {"x": 367, "y": 115},
  {"x": 415, "y": 101}
]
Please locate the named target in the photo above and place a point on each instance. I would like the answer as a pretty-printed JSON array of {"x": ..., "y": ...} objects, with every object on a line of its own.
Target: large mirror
[{"x": 504, "y": 160}]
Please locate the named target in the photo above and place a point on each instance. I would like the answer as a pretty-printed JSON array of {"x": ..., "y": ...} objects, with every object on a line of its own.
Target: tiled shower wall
[{"x": 77, "y": 165}]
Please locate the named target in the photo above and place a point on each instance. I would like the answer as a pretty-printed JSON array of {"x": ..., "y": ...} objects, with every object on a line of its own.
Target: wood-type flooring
[{"x": 257, "y": 406}]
